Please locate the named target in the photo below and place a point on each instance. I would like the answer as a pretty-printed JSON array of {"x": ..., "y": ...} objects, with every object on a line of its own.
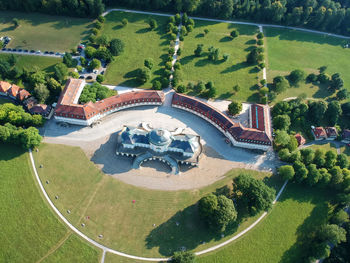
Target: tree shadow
[
  {"x": 117, "y": 27},
  {"x": 225, "y": 39},
  {"x": 250, "y": 48},
  {"x": 6, "y": 29},
  {"x": 205, "y": 61},
  {"x": 200, "y": 35},
  {"x": 143, "y": 30},
  {"x": 235, "y": 67},
  {"x": 131, "y": 74},
  {"x": 255, "y": 97},
  {"x": 250, "y": 42},
  {"x": 187, "y": 59},
  {"x": 10, "y": 151},
  {"x": 254, "y": 70},
  {"x": 225, "y": 96}
]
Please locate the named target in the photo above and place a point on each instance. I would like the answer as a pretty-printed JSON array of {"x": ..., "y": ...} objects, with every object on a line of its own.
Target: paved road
[
  {"x": 109, "y": 250},
  {"x": 32, "y": 54},
  {"x": 230, "y": 22}
]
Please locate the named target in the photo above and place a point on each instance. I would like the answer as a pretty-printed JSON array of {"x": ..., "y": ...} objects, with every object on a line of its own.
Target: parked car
[
  {"x": 15, "y": 50},
  {"x": 32, "y": 51},
  {"x": 26, "y": 50},
  {"x": 19, "y": 50},
  {"x": 81, "y": 77},
  {"x": 38, "y": 52},
  {"x": 89, "y": 77},
  {"x": 102, "y": 72},
  {"x": 51, "y": 52}
]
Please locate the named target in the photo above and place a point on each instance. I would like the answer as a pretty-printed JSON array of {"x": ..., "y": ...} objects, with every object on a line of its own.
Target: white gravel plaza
[{"x": 99, "y": 143}]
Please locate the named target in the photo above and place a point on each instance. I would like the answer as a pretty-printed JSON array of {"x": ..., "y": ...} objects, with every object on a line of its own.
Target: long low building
[
  {"x": 68, "y": 110},
  {"x": 257, "y": 136}
]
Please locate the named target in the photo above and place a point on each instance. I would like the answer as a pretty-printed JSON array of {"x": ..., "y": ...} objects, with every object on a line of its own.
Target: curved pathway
[
  {"x": 109, "y": 250},
  {"x": 230, "y": 22}
]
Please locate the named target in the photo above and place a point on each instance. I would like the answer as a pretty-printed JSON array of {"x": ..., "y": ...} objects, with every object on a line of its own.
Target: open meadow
[
  {"x": 43, "y": 32},
  {"x": 30, "y": 231},
  {"x": 224, "y": 74},
  {"x": 288, "y": 50},
  {"x": 156, "y": 224},
  {"x": 140, "y": 43}
]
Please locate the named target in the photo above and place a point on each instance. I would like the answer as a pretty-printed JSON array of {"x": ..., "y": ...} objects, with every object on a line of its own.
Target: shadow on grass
[
  {"x": 187, "y": 59},
  {"x": 317, "y": 217},
  {"x": 200, "y": 35},
  {"x": 235, "y": 67},
  {"x": 6, "y": 29},
  {"x": 205, "y": 61},
  {"x": 9, "y": 151},
  {"x": 143, "y": 31},
  {"x": 251, "y": 42},
  {"x": 117, "y": 27},
  {"x": 225, "y": 96},
  {"x": 225, "y": 39}
]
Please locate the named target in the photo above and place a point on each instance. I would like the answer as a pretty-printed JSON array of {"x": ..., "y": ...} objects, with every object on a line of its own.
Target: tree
[
  {"x": 30, "y": 138},
  {"x": 124, "y": 22},
  {"x": 234, "y": 33},
  {"x": 282, "y": 138},
  {"x": 198, "y": 51},
  {"x": 342, "y": 94},
  {"x": 157, "y": 85},
  {"x": 60, "y": 72},
  {"x": 15, "y": 22},
  {"x": 69, "y": 61},
  {"x": 181, "y": 89},
  {"x": 253, "y": 194},
  {"x": 217, "y": 211},
  {"x": 102, "y": 40},
  {"x": 90, "y": 52},
  {"x": 284, "y": 154},
  {"x": 143, "y": 74},
  {"x": 307, "y": 155},
  {"x": 102, "y": 53},
  {"x": 300, "y": 171},
  {"x": 41, "y": 93},
  {"x": 336, "y": 82},
  {"x": 296, "y": 76},
  {"x": 281, "y": 122},
  {"x": 293, "y": 143},
  {"x": 152, "y": 23},
  {"x": 319, "y": 158},
  {"x": 317, "y": 110},
  {"x": 206, "y": 31},
  {"x": 149, "y": 63},
  {"x": 213, "y": 53},
  {"x": 313, "y": 175},
  {"x": 100, "y": 78},
  {"x": 332, "y": 233},
  {"x": 95, "y": 64},
  {"x": 236, "y": 88},
  {"x": 54, "y": 87},
  {"x": 342, "y": 160},
  {"x": 286, "y": 172},
  {"x": 337, "y": 177},
  {"x": 280, "y": 84},
  {"x": 235, "y": 107},
  {"x": 331, "y": 159},
  {"x": 211, "y": 93},
  {"x": 183, "y": 257},
  {"x": 339, "y": 217},
  {"x": 116, "y": 47},
  {"x": 333, "y": 112}
]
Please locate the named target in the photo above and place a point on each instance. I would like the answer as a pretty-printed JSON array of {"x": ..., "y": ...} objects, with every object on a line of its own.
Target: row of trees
[
  {"x": 331, "y": 15},
  {"x": 80, "y": 8}
]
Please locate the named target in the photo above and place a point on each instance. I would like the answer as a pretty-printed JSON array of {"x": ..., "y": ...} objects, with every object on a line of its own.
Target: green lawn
[
  {"x": 43, "y": 32},
  {"x": 326, "y": 146},
  {"x": 289, "y": 49},
  {"x": 224, "y": 74},
  {"x": 29, "y": 229},
  {"x": 31, "y": 62},
  {"x": 278, "y": 237},
  {"x": 125, "y": 226},
  {"x": 140, "y": 44}
]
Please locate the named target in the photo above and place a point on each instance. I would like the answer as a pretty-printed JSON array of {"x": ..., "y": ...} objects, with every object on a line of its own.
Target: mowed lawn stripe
[{"x": 140, "y": 43}]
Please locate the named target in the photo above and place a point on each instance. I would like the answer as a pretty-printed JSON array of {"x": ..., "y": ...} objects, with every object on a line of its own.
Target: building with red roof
[
  {"x": 257, "y": 136},
  {"x": 4, "y": 87},
  {"x": 300, "y": 139},
  {"x": 41, "y": 109},
  {"x": 319, "y": 133},
  {"x": 68, "y": 110},
  {"x": 22, "y": 95},
  {"x": 13, "y": 91}
]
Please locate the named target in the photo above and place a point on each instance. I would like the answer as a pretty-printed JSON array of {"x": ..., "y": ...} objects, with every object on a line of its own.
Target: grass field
[
  {"x": 32, "y": 62},
  {"x": 289, "y": 49},
  {"x": 29, "y": 229},
  {"x": 224, "y": 74},
  {"x": 278, "y": 237},
  {"x": 125, "y": 226},
  {"x": 43, "y": 32},
  {"x": 140, "y": 44}
]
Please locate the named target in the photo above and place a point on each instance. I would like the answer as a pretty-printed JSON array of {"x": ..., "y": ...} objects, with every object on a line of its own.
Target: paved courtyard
[{"x": 99, "y": 143}]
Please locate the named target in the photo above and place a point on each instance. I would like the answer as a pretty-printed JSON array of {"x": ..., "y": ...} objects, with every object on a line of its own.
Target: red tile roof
[
  {"x": 319, "y": 132},
  {"x": 4, "y": 86},
  {"x": 40, "y": 109},
  {"x": 240, "y": 133},
  {"x": 331, "y": 132},
  {"x": 301, "y": 140},
  {"x": 13, "y": 91},
  {"x": 66, "y": 108},
  {"x": 22, "y": 94}
]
